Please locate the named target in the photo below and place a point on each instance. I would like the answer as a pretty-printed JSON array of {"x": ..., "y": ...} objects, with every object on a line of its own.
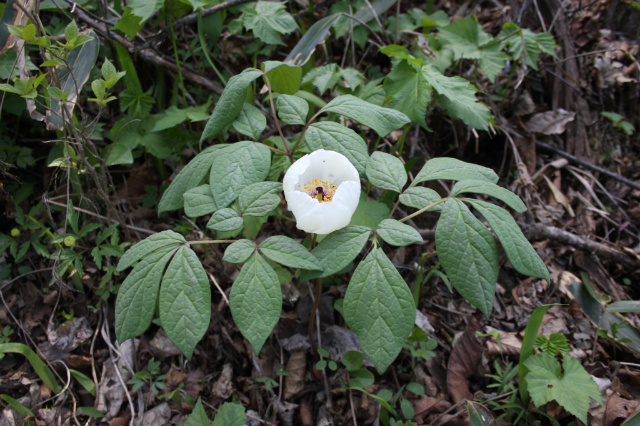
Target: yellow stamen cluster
[{"x": 322, "y": 190}]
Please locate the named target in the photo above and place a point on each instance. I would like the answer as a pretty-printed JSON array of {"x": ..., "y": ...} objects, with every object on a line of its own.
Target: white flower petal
[{"x": 311, "y": 214}]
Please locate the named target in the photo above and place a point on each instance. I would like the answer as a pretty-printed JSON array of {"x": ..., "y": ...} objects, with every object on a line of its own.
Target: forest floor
[{"x": 578, "y": 173}]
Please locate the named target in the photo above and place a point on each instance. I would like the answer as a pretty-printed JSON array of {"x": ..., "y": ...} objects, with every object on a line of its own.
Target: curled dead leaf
[{"x": 550, "y": 122}]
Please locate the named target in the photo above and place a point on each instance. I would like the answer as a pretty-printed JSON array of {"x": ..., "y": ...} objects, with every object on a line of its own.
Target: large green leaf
[
  {"x": 379, "y": 308},
  {"x": 145, "y": 8},
  {"x": 409, "y": 91},
  {"x": 239, "y": 251},
  {"x": 458, "y": 98},
  {"x": 72, "y": 78},
  {"x": 148, "y": 246},
  {"x": 230, "y": 103},
  {"x": 452, "y": 169},
  {"x": 268, "y": 20},
  {"x": 138, "y": 294},
  {"x": 336, "y": 137},
  {"x": 198, "y": 416},
  {"x": 284, "y": 78},
  {"x": 289, "y": 252},
  {"x": 420, "y": 197},
  {"x": 230, "y": 414},
  {"x": 259, "y": 198},
  {"x": 337, "y": 250},
  {"x": 468, "y": 253},
  {"x": 185, "y": 301},
  {"x": 256, "y": 301},
  {"x": 382, "y": 120},
  {"x": 238, "y": 166},
  {"x": 386, "y": 171},
  {"x": 397, "y": 233},
  {"x": 493, "y": 60},
  {"x": 250, "y": 121},
  {"x": 464, "y": 37},
  {"x": 225, "y": 220},
  {"x": 189, "y": 177},
  {"x": 198, "y": 201},
  {"x": 292, "y": 109},
  {"x": 519, "y": 251},
  {"x": 487, "y": 188},
  {"x": 569, "y": 385}
]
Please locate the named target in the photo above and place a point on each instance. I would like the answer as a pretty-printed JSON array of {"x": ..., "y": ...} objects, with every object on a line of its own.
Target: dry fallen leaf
[
  {"x": 550, "y": 122},
  {"x": 465, "y": 357},
  {"x": 294, "y": 381}
]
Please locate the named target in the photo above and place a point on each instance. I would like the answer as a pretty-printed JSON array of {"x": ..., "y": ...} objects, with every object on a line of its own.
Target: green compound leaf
[
  {"x": 410, "y": 92},
  {"x": 452, "y": 169},
  {"x": 239, "y": 251},
  {"x": 256, "y": 301},
  {"x": 458, "y": 98},
  {"x": 569, "y": 385},
  {"x": 420, "y": 197},
  {"x": 198, "y": 201},
  {"x": 481, "y": 187},
  {"x": 238, "y": 166},
  {"x": 464, "y": 37},
  {"x": 185, "y": 301},
  {"x": 468, "y": 253},
  {"x": 148, "y": 246},
  {"x": 230, "y": 414},
  {"x": 292, "y": 109},
  {"x": 284, "y": 78},
  {"x": 493, "y": 60},
  {"x": 397, "y": 233},
  {"x": 225, "y": 220},
  {"x": 336, "y": 137},
  {"x": 230, "y": 103},
  {"x": 337, "y": 250},
  {"x": 189, "y": 177},
  {"x": 268, "y": 20},
  {"x": 386, "y": 171},
  {"x": 379, "y": 308},
  {"x": 198, "y": 416},
  {"x": 250, "y": 121},
  {"x": 382, "y": 120},
  {"x": 288, "y": 252},
  {"x": 138, "y": 294},
  {"x": 259, "y": 198},
  {"x": 519, "y": 251}
]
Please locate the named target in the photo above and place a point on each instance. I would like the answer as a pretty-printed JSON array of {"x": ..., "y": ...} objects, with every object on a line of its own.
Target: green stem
[
  {"x": 211, "y": 241},
  {"x": 275, "y": 117},
  {"x": 422, "y": 210},
  {"x": 177, "y": 59}
]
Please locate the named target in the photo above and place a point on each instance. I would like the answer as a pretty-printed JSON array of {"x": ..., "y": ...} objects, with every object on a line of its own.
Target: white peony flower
[{"x": 322, "y": 190}]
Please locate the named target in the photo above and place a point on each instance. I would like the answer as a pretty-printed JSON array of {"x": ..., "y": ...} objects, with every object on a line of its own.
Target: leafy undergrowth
[{"x": 556, "y": 122}]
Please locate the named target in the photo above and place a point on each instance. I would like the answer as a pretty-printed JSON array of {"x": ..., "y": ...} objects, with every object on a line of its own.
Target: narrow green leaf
[
  {"x": 487, "y": 188},
  {"x": 148, "y": 246},
  {"x": 519, "y": 251},
  {"x": 336, "y": 137},
  {"x": 185, "y": 301},
  {"x": 624, "y": 306},
  {"x": 236, "y": 167},
  {"x": 91, "y": 412},
  {"x": 230, "y": 414},
  {"x": 528, "y": 344},
  {"x": 84, "y": 381},
  {"x": 382, "y": 120},
  {"x": 314, "y": 36},
  {"x": 458, "y": 98},
  {"x": 288, "y": 252},
  {"x": 41, "y": 369},
  {"x": 379, "y": 308},
  {"x": 189, "y": 177},
  {"x": 250, "y": 121},
  {"x": 16, "y": 405},
  {"x": 420, "y": 197},
  {"x": 468, "y": 253},
  {"x": 256, "y": 301},
  {"x": 386, "y": 171},
  {"x": 292, "y": 109},
  {"x": 138, "y": 294},
  {"x": 338, "y": 249},
  {"x": 230, "y": 103},
  {"x": 397, "y": 233},
  {"x": 452, "y": 169},
  {"x": 260, "y": 198},
  {"x": 239, "y": 251},
  {"x": 284, "y": 78},
  {"x": 198, "y": 201},
  {"x": 225, "y": 220}
]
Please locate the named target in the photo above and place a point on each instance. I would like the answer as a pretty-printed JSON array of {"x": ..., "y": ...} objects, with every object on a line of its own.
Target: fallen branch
[
  {"x": 586, "y": 164},
  {"x": 146, "y": 53},
  {"x": 538, "y": 232}
]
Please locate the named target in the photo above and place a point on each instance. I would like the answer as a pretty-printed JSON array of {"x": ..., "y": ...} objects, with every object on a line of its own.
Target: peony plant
[{"x": 321, "y": 166}]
